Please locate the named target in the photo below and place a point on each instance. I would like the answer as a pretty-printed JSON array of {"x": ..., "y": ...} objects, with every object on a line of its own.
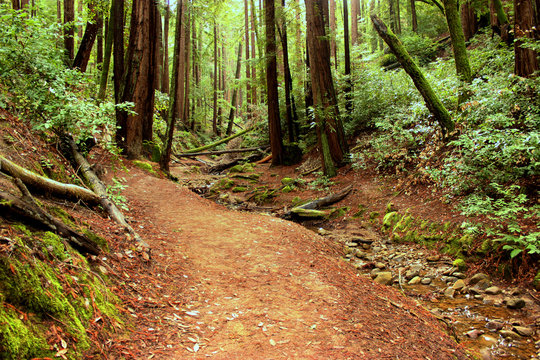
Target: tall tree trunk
[
  {"x": 274, "y": 123},
  {"x": 333, "y": 47},
  {"x": 214, "y": 116},
  {"x": 118, "y": 51},
  {"x": 165, "y": 75},
  {"x": 159, "y": 52},
  {"x": 331, "y": 136},
  {"x": 69, "y": 29},
  {"x": 463, "y": 68},
  {"x": 107, "y": 56},
  {"x": 172, "y": 115},
  {"x": 181, "y": 86},
  {"x": 253, "y": 56},
  {"x": 187, "y": 45},
  {"x": 348, "y": 87},
  {"x": 59, "y": 11},
  {"x": 85, "y": 48},
  {"x": 288, "y": 81},
  {"x": 235, "y": 90},
  {"x": 392, "y": 16},
  {"x": 16, "y": 4},
  {"x": 468, "y": 20},
  {"x": 138, "y": 82},
  {"x": 499, "y": 21},
  {"x": 99, "y": 52},
  {"x": 414, "y": 18},
  {"x": 355, "y": 9},
  {"x": 526, "y": 26},
  {"x": 433, "y": 102},
  {"x": 81, "y": 16},
  {"x": 248, "y": 70},
  {"x": 398, "y": 17}
]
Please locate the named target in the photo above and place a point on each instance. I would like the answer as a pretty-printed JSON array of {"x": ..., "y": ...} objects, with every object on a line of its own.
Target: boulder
[{"x": 384, "y": 278}]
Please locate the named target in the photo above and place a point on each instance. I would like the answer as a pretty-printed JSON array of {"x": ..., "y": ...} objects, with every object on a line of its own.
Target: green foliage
[
  {"x": 115, "y": 193},
  {"x": 34, "y": 79},
  {"x": 321, "y": 183}
]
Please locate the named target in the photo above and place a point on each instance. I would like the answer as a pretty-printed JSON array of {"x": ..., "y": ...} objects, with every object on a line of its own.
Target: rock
[
  {"x": 376, "y": 249},
  {"x": 485, "y": 354},
  {"x": 494, "y": 325},
  {"x": 433, "y": 258},
  {"x": 380, "y": 265},
  {"x": 399, "y": 258},
  {"x": 473, "y": 334},
  {"x": 523, "y": 330},
  {"x": 475, "y": 291},
  {"x": 515, "y": 303},
  {"x": 384, "y": 278},
  {"x": 449, "y": 279},
  {"x": 459, "y": 275},
  {"x": 509, "y": 334},
  {"x": 426, "y": 281},
  {"x": 488, "y": 340},
  {"x": 460, "y": 264},
  {"x": 483, "y": 284},
  {"x": 449, "y": 271},
  {"x": 458, "y": 285},
  {"x": 374, "y": 273},
  {"x": 351, "y": 244},
  {"x": 411, "y": 274},
  {"x": 359, "y": 264},
  {"x": 366, "y": 246},
  {"x": 493, "y": 290},
  {"x": 477, "y": 277},
  {"x": 495, "y": 300},
  {"x": 449, "y": 292},
  {"x": 415, "y": 280}
]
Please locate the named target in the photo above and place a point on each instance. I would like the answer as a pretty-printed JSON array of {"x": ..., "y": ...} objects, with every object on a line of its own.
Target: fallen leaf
[
  {"x": 272, "y": 342},
  {"x": 195, "y": 347},
  {"x": 63, "y": 343},
  {"x": 61, "y": 353}
]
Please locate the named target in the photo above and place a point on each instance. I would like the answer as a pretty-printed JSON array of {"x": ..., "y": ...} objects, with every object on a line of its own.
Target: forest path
[{"x": 257, "y": 287}]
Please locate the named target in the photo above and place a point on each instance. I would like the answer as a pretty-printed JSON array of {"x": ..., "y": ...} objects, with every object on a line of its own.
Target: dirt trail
[{"x": 258, "y": 287}]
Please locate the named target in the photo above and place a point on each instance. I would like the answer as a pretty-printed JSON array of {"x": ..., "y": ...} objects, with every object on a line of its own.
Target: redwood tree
[
  {"x": 274, "y": 124},
  {"x": 94, "y": 23},
  {"x": 330, "y": 133},
  {"x": 526, "y": 26},
  {"x": 69, "y": 28}
]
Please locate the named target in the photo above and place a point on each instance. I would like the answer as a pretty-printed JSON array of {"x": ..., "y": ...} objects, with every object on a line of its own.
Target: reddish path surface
[{"x": 257, "y": 287}]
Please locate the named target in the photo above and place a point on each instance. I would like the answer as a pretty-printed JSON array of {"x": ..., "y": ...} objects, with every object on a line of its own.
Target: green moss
[
  {"x": 54, "y": 245},
  {"x": 339, "y": 212},
  {"x": 374, "y": 215},
  {"x": 460, "y": 264},
  {"x": 536, "y": 281},
  {"x": 19, "y": 339},
  {"x": 296, "y": 201},
  {"x": 403, "y": 224},
  {"x": 241, "y": 168},
  {"x": 390, "y": 219},
  {"x": 287, "y": 181},
  {"x": 237, "y": 189},
  {"x": 144, "y": 166},
  {"x": 288, "y": 188},
  {"x": 96, "y": 239},
  {"x": 361, "y": 210},
  {"x": 63, "y": 215},
  {"x": 390, "y": 207},
  {"x": 222, "y": 184}
]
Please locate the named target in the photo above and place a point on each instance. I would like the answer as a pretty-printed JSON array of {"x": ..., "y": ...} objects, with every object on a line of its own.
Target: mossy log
[
  {"x": 99, "y": 188},
  {"x": 219, "y": 152},
  {"x": 47, "y": 186},
  {"x": 305, "y": 209},
  {"x": 219, "y": 142},
  {"x": 433, "y": 102},
  {"x": 26, "y": 208}
]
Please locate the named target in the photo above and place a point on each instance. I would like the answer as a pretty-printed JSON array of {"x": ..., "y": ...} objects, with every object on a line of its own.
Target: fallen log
[
  {"x": 226, "y": 165},
  {"x": 219, "y": 152},
  {"x": 99, "y": 188},
  {"x": 47, "y": 186},
  {"x": 26, "y": 208},
  {"x": 309, "y": 210},
  {"x": 219, "y": 142},
  {"x": 265, "y": 159}
]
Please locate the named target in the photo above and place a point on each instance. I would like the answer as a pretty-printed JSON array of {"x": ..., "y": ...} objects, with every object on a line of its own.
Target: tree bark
[
  {"x": 526, "y": 26},
  {"x": 173, "y": 108},
  {"x": 47, "y": 186},
  {"x": 138, "y": 82},
  {"x": 333, "y": 47},
  {"x": 248, "y": 69},
  {"x": 468, "y": 20},
  {"x": 331, "y": 136},
  {"x": 355, "y": 8},
  {"x": 253, "y": 56},
  {"x": 107, "y": 56},
  {"x": 499, "y": 21},
  {"x": 187, "y": 68},
  {"x": 398, "y": 17},
  {"x": 85, "y": 48},
  {"x": 165, "y": 75},
  {"x": 348, "y": 84},
  {"x": 214, "y": 116},
  {"x": 463, "y": 68},
  {"x": 235, "y": 90},
  {"x": 274, "y": 123},
  {"x": 433, "y": 102},
  {"x": 414, "y": 18},
  {"x": 69, "y": 29},
  {"x": 291, "y": 129}
]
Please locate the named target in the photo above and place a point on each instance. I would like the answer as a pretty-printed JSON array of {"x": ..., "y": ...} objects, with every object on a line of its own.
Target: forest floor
[{"x": 227, "y": 284}]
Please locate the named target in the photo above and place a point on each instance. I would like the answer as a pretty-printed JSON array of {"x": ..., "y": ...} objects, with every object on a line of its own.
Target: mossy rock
[
  {"x": 460, "y": 264},
  {"x": 222, "y": 184},
  {"x": 238, "y": 189},
  {"x": 288, "y": 189},
  {"x": 288, "y": 181},
  {"x": 241, "y": 168},
  {"x": 390, "y": 219},
  {"x": 403, "y": 224},
  {"x": 143, "y": 165},
  {"x": 251, "y": 177},
  {"x": 296, "y": 201},
  {"x": 53, "y": 244}
]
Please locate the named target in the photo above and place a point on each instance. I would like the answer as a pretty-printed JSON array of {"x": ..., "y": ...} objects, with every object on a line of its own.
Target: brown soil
[{"x": 227, "y": 284}]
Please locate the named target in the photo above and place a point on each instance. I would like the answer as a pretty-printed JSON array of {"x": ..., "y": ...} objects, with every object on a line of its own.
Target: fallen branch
[
  {"x": 309, "y": 210},
  {"x": 47, "y": 186},
  {"x": 99, "y": 188},
  {"x": 27, "y": 208},
  {"x": 219, "y": 142},
  {"x": 219, "y": 152},
  {"x": 265, "y": 159},
  {"x": 226, "y": 165}
]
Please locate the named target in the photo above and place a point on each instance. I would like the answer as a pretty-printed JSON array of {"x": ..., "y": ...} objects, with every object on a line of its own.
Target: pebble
[
  {"x": 375, "y": 272},
  {"x": 509, "y": 334},
  {"x": 415, "y": 280},
  {"x": 458, "y": 285},
  {"x": 473, "y": 334},
  {"x": 523, "y": 330},
  {"x": 477, "y": 278},
  {"x": 482, "y": 284},
  {"x": 459, "y": 275},
  {"x": 515, "y": 303},
  {"x": 384, "y": 278},
  {"x": 433, "y": 258},
  {"x": 494, "y": 325},
  {"x": 380, "y": 265},
  {"x": 426, "y": 281},
  {"x": 449, "y": 292},
  {"x": 493, "y": 290}
]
